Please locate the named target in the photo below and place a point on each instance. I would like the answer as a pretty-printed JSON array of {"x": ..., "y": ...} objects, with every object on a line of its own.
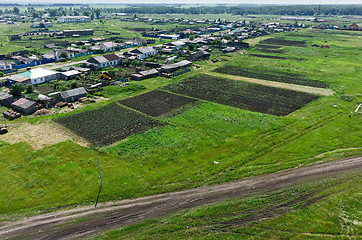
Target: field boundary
[{"x": 288, "y": 86}]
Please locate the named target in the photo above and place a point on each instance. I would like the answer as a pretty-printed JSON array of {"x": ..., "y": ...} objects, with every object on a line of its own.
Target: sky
[{"x": 284, "y": 2}]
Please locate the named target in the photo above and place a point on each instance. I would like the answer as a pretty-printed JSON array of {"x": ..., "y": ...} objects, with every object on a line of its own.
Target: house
[
  {"x": 354, "y": 26},
  {"x": 175, "y": 66},
  {"x": 74, "y": 19},
  {"x": 200, "y": 55},
  {"x": 6, "y": 99},
  {"x": 105, "y": 46},
  {"x": 41, "y": 25},
  {"x": 143, "y": 52},
  {"x": 145, "y": 74},
  {"x": 71, "y": 74},
  {"x": 176, "y": 45},
  {"x": 99, "y": 62},
  {"x": 136, "y": 41},
  {"x": 229, "y": 50},
  {"x": 58, "y": 55},
  {"x": 72, "y": 95},
  {"x": 5, "y": 65},
  {"x": 24, "y": 106},
  {"x": 18, "y": 79},
  {"x": 40, "y": 75}
]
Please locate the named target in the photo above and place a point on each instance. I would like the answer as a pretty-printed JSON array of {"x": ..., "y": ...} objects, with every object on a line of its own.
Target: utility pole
[
  {"x": 2, "y": 113},
  {"x": 100, "y": 187}
]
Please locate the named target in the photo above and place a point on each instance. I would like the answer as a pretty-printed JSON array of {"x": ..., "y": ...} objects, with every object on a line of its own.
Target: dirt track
[{"x": 90, "y": 220}]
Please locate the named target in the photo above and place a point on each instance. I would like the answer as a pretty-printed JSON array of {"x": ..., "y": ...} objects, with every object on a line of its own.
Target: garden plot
[
  {"x": 283, "y": 42},
  {"x": 270, "y": 75},
  {"x": 249, "y": 96},
  {"x": 108, "y": 124},
  {"x": 267, "y": 56},
  {"x": 156, "y": 103}
]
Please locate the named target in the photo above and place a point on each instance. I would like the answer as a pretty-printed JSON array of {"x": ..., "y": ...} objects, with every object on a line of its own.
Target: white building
[
  {"x": 74, "y": 19},
  {"x": 40, "y": 75},
  {"x": 144, "y": 52},
  {"x": 4, "y": 65}
]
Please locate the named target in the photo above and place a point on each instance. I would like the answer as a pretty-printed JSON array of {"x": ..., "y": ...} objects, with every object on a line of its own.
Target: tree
[
  {"x": 63, "y": 55},
  {"x": 17, "y": 89},
  {"x": 16, "y": 10},
  {"x": 29, "y": 88},
  {"x": 73, "y": 84},
  {"x": 97, "y": 13}
]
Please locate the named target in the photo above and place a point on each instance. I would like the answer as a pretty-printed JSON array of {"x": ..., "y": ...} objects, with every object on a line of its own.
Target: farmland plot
[
  {"x": 283, "y": 42},
  {"x": 108, "y": 124},
  {"x": 156, "y": 103},
  {"x": 267, "y": 56},
  {"x": 253, "y": 97},
  {"x": 271, "y": 76}
]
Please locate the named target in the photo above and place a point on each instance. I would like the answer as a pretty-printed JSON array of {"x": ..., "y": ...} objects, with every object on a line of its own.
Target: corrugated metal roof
[
  {"x": 4, "y": 96},
  {"x": 73, "y": 92}
]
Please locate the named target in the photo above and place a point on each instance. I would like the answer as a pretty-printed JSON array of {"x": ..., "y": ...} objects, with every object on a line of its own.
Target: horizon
[{"x": 187, "y": 2}]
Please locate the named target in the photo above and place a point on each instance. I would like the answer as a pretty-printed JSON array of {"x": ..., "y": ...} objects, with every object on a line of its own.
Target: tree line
[{"x": 292, "y": 10}]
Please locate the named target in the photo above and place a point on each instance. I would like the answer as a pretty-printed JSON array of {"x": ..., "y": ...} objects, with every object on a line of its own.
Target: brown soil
[{"x": 90, "y": 220}]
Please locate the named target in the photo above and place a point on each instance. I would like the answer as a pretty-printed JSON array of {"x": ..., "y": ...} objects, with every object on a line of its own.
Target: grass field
[
  {"x": 326, "y": 209},
  {"x": 163, "y": 159}
]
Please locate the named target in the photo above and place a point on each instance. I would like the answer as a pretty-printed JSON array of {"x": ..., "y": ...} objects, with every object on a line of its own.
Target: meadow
[
  {"x": 326, "y": 209},
  {"x": 181, "y": 153}
]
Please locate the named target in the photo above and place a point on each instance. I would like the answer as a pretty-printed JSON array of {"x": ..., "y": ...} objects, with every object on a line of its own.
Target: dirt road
[{"x": 87, "y": 220}]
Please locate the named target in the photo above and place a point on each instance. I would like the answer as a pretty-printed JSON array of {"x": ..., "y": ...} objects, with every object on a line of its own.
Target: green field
[
  {"x": 163, "y": 159},
  {"x": 326, "y": 209}
]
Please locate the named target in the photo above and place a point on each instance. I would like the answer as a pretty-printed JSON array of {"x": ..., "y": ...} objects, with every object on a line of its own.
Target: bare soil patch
[{"x": 39, "y": 135}]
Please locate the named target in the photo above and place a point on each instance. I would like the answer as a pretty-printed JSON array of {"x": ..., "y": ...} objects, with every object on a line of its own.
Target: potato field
[
  {"x": 109, "y": 124},
  {"x": 157, "y": 102},
  {"x": 270, "y": 75},
  {"x": 249, "y": 96}
]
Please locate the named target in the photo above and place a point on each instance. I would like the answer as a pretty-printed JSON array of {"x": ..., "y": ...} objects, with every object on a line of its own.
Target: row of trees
[
  {"x": 300, "y": 10},
  {"x": 294, "y": 10}
]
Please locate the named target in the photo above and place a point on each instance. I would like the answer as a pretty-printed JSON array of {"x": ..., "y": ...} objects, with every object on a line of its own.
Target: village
[
  {"x": 166, "y": 53},
  {"x": 148, "y": 57}
]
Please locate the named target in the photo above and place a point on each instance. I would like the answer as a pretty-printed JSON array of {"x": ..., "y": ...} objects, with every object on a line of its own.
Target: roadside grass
[
  {"x": 181, "y": 154},
  {"x": 324, "y": 209}
]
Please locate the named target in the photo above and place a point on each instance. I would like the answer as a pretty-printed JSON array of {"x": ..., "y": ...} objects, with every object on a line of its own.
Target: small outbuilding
[
  {"x": 73, "y": 94},
  {"x": 71, "y": 74},
  {"x": 6, "y": 99},
  {"x": 24, "y": 106}
]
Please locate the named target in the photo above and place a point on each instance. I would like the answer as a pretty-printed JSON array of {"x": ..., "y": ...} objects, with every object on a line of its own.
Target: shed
[
  {"x": 71, "y": 74},
  {"x": 6, "y": 99},
  {"x": 24, "y": 106},
  {"x": 73, "y": 94}
]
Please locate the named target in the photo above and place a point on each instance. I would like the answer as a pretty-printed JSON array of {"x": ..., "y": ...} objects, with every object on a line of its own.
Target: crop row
[
  {"x": 269, "y": 75},
  {"x": 108, "y": 124},
  {"x": 242, "y": 95},
  {"x": 283, "y": 42},
  {"x": 267, "y": 46},
  {"x": 267, "y": 56},
  {"x": 156, "y": 103}
]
